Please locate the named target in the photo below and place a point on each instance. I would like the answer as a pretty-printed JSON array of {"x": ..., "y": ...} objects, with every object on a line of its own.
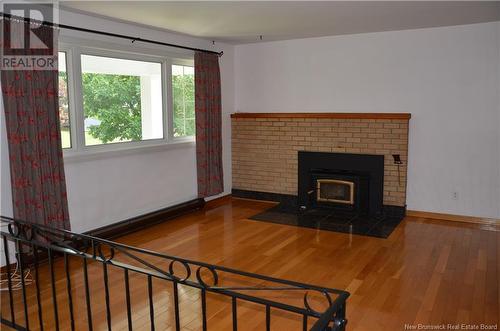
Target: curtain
[
  {"x": 208, "y": 111},
  {"x": 31, "y": 104}
]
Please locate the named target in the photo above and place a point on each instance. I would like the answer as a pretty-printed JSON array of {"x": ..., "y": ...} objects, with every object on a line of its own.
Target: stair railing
[{"x": 65, "y": 266}]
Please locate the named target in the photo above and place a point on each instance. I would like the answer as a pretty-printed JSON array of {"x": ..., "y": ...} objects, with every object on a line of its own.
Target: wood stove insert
[{"x": 340, "y": 180}]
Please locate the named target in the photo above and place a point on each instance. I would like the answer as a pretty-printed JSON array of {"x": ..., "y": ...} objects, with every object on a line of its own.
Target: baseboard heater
[{"x": 133, "y": 224}]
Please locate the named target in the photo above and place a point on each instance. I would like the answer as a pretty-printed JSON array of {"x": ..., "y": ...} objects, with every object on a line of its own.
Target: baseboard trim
[
  {"x": 453, "y": 218},
  {"x": 143, "y": 221},
  {"x": 218, "y": 201}
]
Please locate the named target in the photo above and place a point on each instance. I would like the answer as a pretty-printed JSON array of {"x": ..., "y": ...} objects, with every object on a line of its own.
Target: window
[
  {"x": 63, "y": 102},
  {"x": 122, "y": 100},
  {"x": 117, "y": 99},
  {"x": 183, "y": 100}
]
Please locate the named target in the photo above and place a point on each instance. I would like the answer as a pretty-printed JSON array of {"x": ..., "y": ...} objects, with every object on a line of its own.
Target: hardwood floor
[{"x": 426, "y": 272}]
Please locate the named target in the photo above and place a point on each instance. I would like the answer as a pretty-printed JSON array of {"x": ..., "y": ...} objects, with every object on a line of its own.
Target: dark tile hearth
[{"x": 332, "y": 220}]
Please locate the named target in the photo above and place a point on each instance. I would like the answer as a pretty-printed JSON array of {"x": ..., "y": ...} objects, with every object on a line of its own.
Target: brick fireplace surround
[{"x": 265, "y": 146}]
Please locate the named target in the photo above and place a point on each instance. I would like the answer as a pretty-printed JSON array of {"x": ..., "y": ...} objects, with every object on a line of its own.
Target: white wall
[
  {"x": 498, "y": 103},
  {"x": 447, "y": 78},
  {"x": 108, "y": 189}
]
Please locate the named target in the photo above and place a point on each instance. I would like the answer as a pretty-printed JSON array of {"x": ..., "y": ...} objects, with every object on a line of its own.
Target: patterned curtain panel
[
  {"x": 208, "y": 124},
  {"x": 30, "y": 99}
]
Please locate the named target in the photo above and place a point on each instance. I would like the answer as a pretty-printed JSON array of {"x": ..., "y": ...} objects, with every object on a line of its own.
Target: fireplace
[
  {"x": 342, "y": 191},
  {"x": 338, "y": 188},
  {"x": 344, "y": 181},
  {"x": 335, "y": 191}
]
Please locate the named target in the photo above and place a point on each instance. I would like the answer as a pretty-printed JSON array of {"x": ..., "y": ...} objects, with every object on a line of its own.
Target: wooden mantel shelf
[{"x": 395, "y": 116}]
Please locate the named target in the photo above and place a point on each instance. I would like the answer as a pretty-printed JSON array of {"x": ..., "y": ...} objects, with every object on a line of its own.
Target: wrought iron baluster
[
  {"x": 106, "y": 293},
  {"x": 87, "y": 294},
  {"x": 23, "y": 284},
  {"x": 54, "y": 290},
  {"x": 37, "y": 285},
  {"x": 9, "y": 281},
  {"x": 204, "y": 309},
  {"x": 268, "y": 317},
  {"x": 151, "y": 303},
  {"x": 340, "y": 320},
  {"x": 68, "y": 287},
  {"x": 127, "y": 298},
  {"x": 235, "y": 314},
  {"x": 304, "y": 322},
  {"x": 176, "y": 307}
]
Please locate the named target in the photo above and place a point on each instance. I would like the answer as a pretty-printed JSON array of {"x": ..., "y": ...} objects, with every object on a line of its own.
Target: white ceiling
[{"x": 243, "y": 22}]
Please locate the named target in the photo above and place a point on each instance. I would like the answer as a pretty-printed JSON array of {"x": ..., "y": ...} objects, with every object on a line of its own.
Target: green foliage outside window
[
  {"x": 183, "y": 100},
  {"x": 114, "y": 100}
]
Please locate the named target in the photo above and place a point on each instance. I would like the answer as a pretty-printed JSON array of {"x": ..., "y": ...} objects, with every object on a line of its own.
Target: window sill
[{"x": 102, "y": 152}]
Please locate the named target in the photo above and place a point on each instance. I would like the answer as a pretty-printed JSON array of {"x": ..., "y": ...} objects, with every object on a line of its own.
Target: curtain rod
[{"x": 109, "y": 34}]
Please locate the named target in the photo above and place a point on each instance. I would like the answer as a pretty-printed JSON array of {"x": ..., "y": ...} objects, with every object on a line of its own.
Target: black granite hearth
[{"x": 332, "y": 220}]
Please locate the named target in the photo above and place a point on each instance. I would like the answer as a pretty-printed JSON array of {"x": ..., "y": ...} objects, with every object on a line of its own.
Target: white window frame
[{"x": 78, "y": 149}]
